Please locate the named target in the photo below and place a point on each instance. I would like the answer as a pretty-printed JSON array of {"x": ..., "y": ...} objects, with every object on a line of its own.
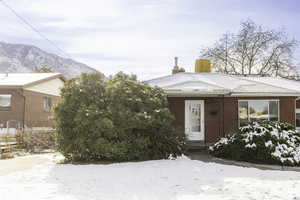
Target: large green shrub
[
  {"x": 119, "y": 119},
  {"x": 264, "y": 142}
]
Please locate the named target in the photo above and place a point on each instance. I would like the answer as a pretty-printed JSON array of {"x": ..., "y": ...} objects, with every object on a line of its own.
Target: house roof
[
  {"x": 193, "y": 84},
  {"x": 25, "y": 79}
]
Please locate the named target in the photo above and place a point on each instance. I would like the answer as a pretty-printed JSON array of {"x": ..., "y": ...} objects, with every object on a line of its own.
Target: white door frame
[{"x": 194, "y": 135}]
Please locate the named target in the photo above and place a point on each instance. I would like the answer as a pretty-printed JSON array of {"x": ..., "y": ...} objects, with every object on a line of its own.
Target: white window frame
[
  {"x": 10, "y": 97},
  {"x": 247, "y": 100}
]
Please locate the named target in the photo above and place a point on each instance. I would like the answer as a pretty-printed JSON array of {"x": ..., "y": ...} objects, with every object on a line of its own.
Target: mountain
[{"x": 27, "y": 58}]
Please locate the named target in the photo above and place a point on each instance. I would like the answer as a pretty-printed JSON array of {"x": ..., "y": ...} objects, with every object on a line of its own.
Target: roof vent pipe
[
  {"x": 176, "y": 61},
  {"x": 177, "y": 69}
]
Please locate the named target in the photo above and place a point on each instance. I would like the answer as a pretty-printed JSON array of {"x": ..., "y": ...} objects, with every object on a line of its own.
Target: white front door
[{"x": 194, "y": 119}]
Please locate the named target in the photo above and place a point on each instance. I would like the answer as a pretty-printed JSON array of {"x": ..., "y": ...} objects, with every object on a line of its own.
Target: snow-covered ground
[{"x": 181, "y": 179}]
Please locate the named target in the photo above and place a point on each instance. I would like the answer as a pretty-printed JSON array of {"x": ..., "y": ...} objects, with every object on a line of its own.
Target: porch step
[{"x": 196, "y": 145}]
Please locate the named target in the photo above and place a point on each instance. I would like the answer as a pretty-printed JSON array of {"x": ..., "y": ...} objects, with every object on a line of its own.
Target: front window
[
  {"x": 47, "y": 104},
  {"x": 258, "y": 110},
  {"x": 5, "y": 100},
  {"x": 298, "y": 118}
]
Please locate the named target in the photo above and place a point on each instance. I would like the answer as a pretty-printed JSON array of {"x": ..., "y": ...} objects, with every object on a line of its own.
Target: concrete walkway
[
  {"x": 8, "y": 166},
  {"x": 205, "y": 157}
]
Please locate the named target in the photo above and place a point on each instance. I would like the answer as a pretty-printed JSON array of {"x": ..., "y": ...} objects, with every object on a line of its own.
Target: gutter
[
  {"x": 251, "y": 94},
  {"x": 195, "y": 92},
  {"x": 223, "y": 92}
]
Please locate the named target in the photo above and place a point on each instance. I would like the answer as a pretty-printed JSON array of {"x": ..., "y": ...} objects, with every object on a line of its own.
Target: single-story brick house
[
  {"x": 210, "y": 105},
  {"x": 26, "y": 99}
]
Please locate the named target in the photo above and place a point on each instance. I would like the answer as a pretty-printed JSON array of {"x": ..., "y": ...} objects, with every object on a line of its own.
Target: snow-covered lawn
[{"x": 181, "y": 179}]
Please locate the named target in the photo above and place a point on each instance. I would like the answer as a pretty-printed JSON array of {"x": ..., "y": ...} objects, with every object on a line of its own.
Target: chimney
[
  {"x": 176, "y": 69},
  {"x": 202, "y": 65}
]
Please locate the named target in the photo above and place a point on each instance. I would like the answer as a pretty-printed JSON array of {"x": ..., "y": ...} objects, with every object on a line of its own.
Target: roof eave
[
  {"x": 60, "y": 76},
  {"x": 265, "y": 94},
  {"x": 10, "y": 86},
  {"x": 182, "y": 93}
]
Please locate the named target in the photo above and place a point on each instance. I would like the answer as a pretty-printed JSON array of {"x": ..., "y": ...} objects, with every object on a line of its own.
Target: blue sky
[{"x": 140, "y": 36}]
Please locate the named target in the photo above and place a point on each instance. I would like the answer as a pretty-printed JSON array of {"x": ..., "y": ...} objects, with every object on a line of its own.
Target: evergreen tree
[{"x": 119, "y": 119}]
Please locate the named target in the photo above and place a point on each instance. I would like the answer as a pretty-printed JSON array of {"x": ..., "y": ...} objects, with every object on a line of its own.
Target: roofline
[
  {"x": 193, "y": 95},
  {"x": 195, "y": 81},
  {"x": 44, "y": 80},
  {"x": 253, "y": 94},
  {"x": 11, "y": 86},
  {"x": 147, "y": 81},
  {"x": 268, "y": 84},
  {"x": 227, "y": 92},
  {"x": 179, "y": 92},
  {"x": 35, "y": 82},
  {"x": 42, "y": 93},
  {"x": 230, "y": 94}
]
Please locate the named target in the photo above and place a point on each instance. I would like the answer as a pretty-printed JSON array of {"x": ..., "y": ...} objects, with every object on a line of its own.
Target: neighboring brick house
[
  {"x": 26, "y": 99},
  {"x": 210, "y": 105}
]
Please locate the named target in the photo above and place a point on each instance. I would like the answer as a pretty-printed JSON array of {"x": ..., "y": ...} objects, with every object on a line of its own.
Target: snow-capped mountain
[{"x": 27, "y": 58}]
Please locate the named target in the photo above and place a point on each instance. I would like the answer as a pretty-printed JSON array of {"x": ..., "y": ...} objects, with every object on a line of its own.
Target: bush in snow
[
  {"x": 262, "y": 142},
  {"x": 120, "y": 119}
]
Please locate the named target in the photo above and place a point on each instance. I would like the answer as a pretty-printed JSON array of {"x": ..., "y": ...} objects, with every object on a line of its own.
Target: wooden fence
[{"x": 29, "y": 139}]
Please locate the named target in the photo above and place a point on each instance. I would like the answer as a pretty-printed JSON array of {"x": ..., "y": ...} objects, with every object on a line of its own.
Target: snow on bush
[{"x": 262, "y": 142}]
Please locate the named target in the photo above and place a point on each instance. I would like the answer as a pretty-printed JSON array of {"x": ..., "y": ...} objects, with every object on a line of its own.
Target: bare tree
[{"x": 254, "y": 50}]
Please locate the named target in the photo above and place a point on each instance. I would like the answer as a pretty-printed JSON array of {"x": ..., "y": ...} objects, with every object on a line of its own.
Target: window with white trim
[
  {"x": 258, "y": 110},
  {"x": 5, "y": 100},
  {"x": 298, "y": 118}
]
